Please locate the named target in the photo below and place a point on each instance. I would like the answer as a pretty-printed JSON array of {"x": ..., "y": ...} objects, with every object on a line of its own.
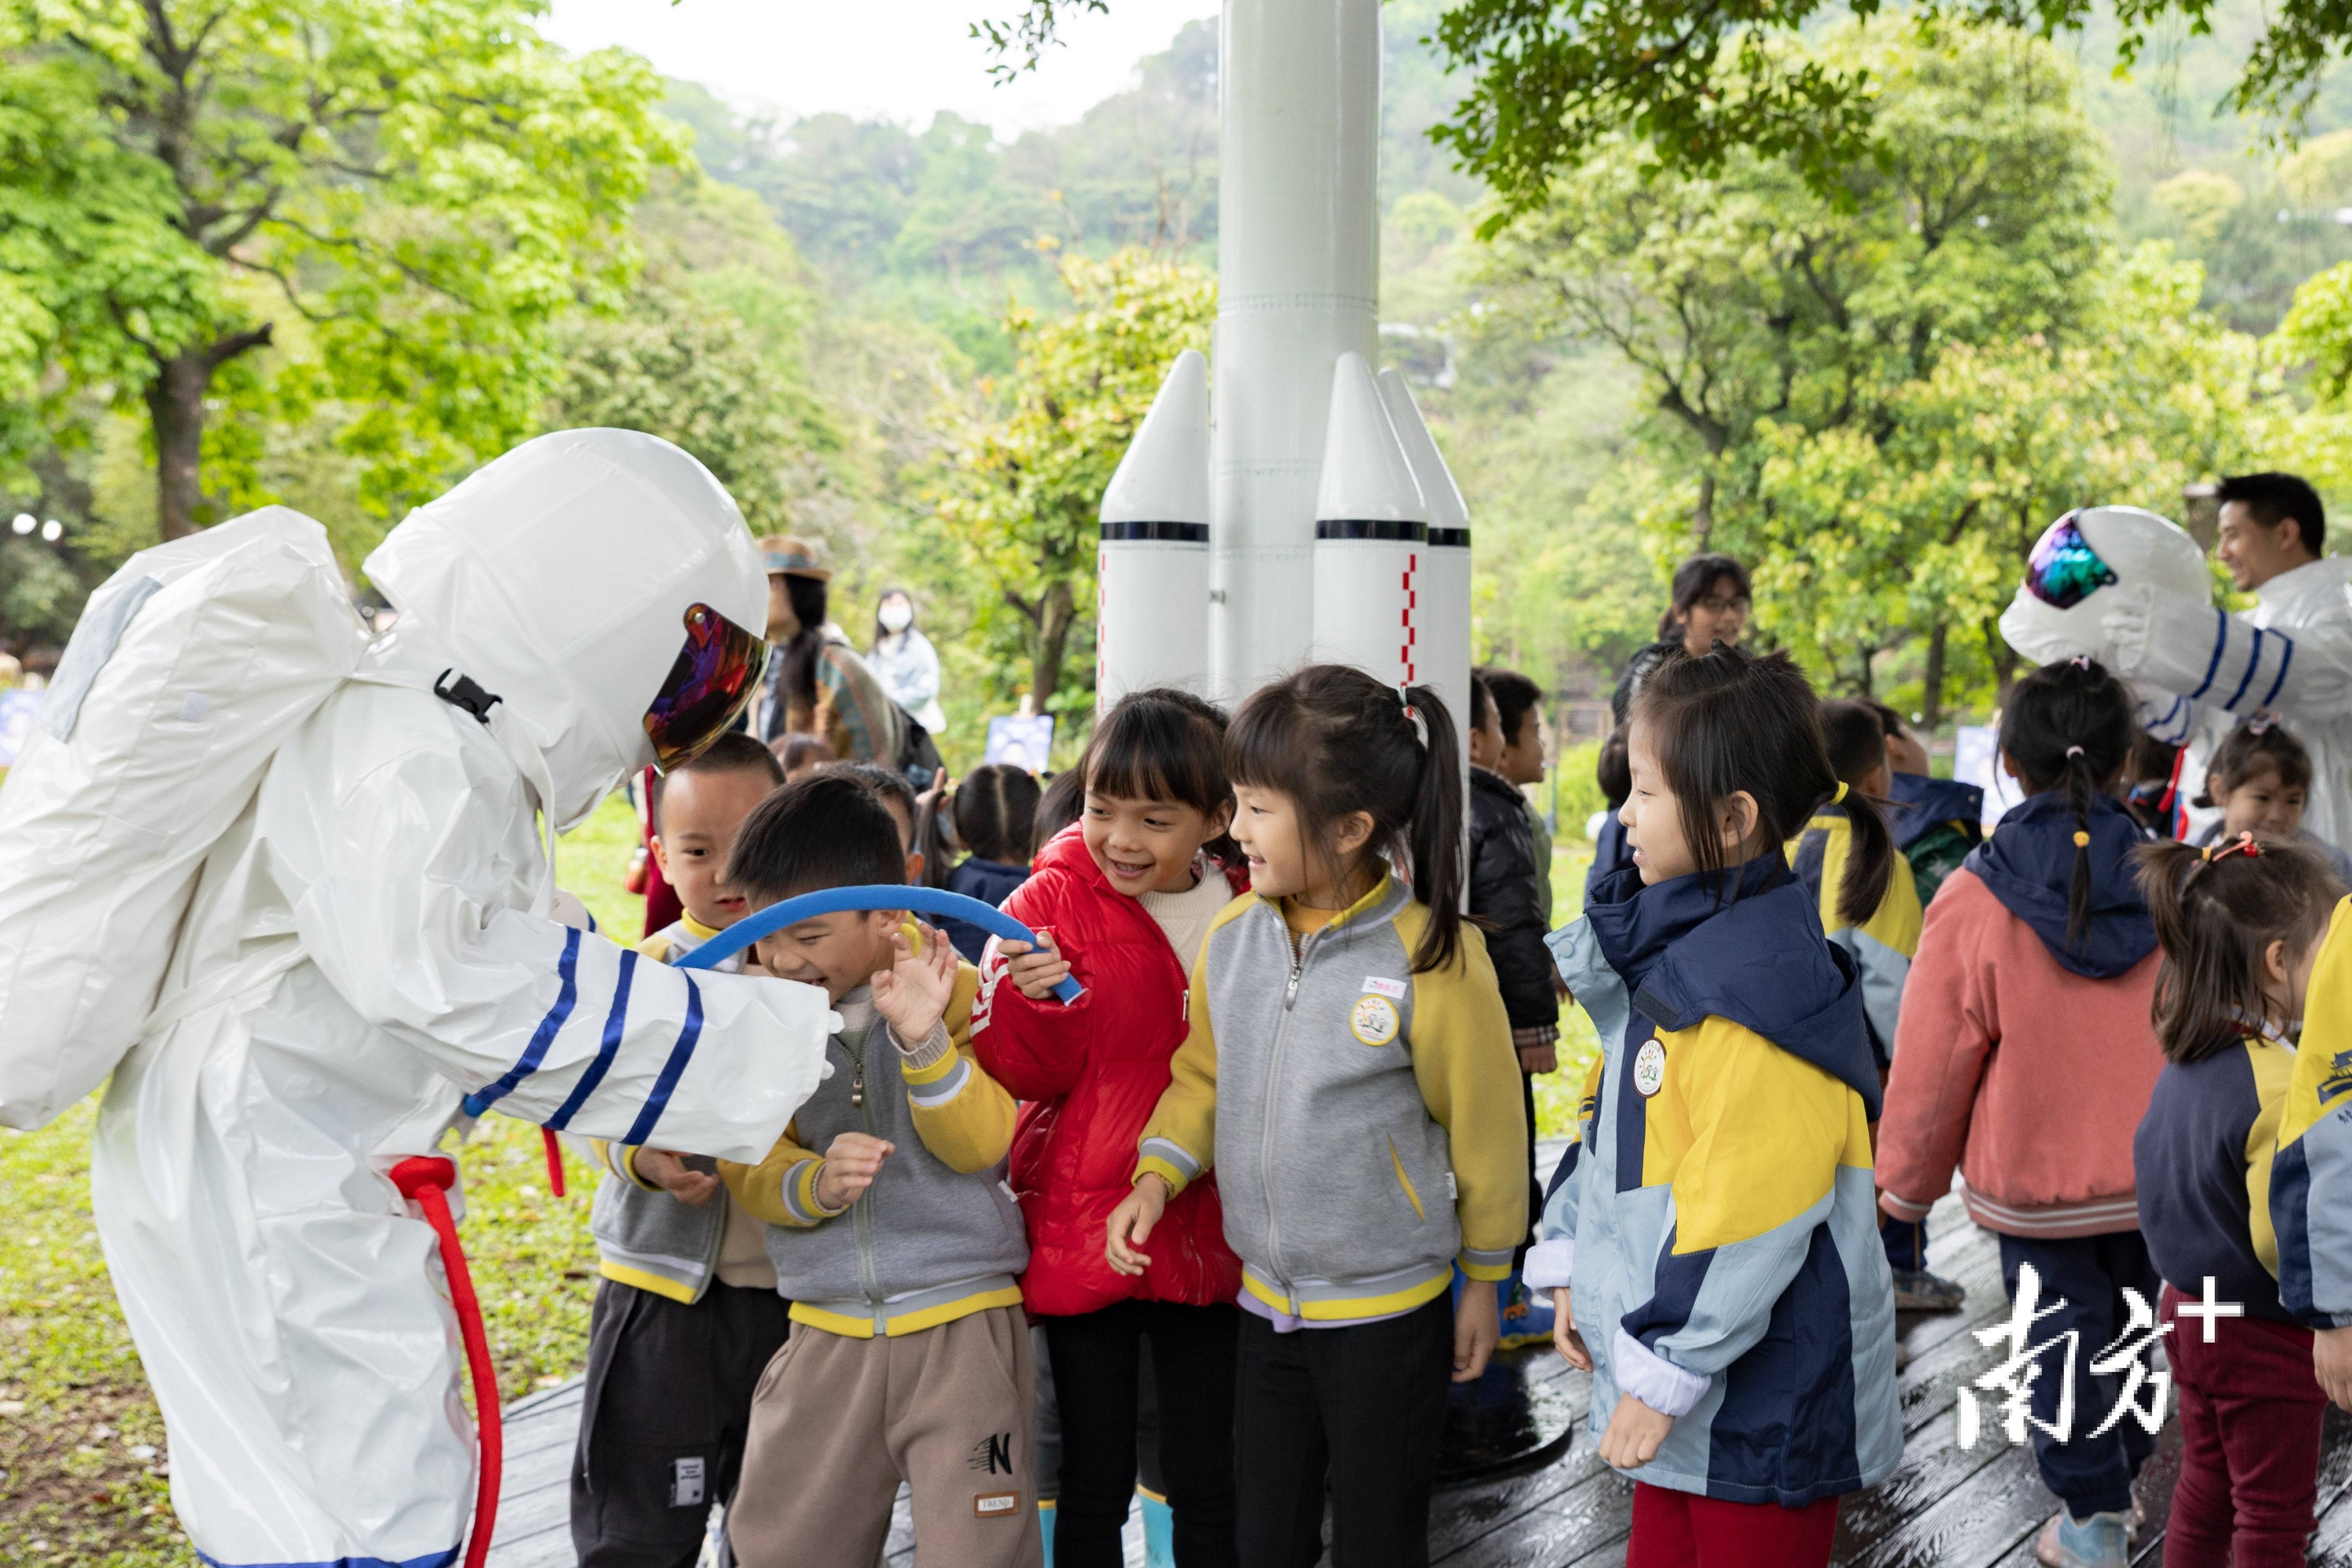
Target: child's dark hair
[
  {"x": 1730, "y": 723},
  {"x": 1481, "y": 708},
  {"x": 822, "y": 830},
  {"x": 795, "y": 750},
  {"x": 732, "y": 751},
  {"x": 2068, "y": 725},
  {"x": 1514, "y": 697},
  {"x": 1163, "y": 744},
  {"x": 995, "y": 813},
  {"x": 1892, "y": 725},
  {"x": 1613, "y": 770},
  {"x": 886, "y": 785},
  {"x": 807, "y": 598},
  {"x": 1336, "y": 741},
  {"x": 1064, "y": 802},
  {"x": 2260, "y": 746},
  {"x": 2217, "y": 912},
  {"x": 1855, "y": 738}
]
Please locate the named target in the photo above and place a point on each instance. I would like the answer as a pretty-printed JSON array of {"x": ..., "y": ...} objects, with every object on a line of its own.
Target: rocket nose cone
[
  {"x": 1366, "y": 475},
  {"x": 1164, "y": 476},
  {"x": 1446, "y": 507}
]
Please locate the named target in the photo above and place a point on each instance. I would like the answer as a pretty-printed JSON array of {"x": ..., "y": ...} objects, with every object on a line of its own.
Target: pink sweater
[{"x": 2030, "y": 1079}]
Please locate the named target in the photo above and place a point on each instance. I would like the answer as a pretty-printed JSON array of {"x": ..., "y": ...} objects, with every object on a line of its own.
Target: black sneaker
[{"x": 1917, "y": 1291}]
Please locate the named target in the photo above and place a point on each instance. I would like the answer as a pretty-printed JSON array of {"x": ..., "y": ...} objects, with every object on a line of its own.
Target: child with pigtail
[
  {"x": 2240, "y": 924},
  {"x": 2025, "y": 1058}
]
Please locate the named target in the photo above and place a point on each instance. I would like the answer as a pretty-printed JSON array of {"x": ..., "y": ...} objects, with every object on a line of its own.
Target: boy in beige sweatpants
[{"x": 899, "y": 1245}]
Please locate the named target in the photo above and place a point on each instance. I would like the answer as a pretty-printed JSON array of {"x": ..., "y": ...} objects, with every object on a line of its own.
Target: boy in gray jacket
[
  {"x": 892, "y": 1232},
  {"x": 688, "y": 1316}
]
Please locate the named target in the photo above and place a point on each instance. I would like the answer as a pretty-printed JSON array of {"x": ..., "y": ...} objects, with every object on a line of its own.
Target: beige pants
[{"x": 838, "y": 1423}]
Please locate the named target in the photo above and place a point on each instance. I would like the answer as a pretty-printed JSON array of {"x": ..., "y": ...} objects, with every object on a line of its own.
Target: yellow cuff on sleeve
[
  {"x": 624, "y": 1156},
  {"x": 1153, "y": 1165},
  {"x": 1487, "y": 1272},
  {"x": 929, "y": 1072}
]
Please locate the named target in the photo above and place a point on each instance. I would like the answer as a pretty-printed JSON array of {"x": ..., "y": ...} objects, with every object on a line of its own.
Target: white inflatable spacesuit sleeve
[{"x": 2214, "y": 659}]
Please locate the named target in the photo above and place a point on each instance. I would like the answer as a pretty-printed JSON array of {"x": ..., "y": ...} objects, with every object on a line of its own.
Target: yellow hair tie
[
  {"x": 1840, "y": 795},
  {"x": 2082, "y": 839}
]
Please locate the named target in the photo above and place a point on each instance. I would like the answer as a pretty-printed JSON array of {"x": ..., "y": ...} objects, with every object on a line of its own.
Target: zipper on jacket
[
  {"x": 1298, "y": 947},
  {"x": 861, "y": 1213}
]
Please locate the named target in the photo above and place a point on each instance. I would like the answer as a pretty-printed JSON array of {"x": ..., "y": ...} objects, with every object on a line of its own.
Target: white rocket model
[
  {"x": 1155, "y": 544},
  {"x": 1314, "y": 474}
]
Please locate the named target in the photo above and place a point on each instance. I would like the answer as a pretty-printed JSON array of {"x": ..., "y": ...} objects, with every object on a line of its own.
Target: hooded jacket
[
  {"x": 1881, "y": 946},
  {"x": 2030, "y": 1058},
  {"x": 1365, "y": 1120},
  {"x": 2311, "y": 1177},
  {"x": 2205, "y": 1154},
  {"x": 1088, "y": 1074},
  {"x": 1714, "y": 1214},
  {"x": 1936, "y": 822},
  {"x": 1504, "y": 892}
]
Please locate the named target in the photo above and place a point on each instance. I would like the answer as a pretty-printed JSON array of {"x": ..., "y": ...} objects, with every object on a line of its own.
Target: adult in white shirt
[{"x": 906, "y": 661}]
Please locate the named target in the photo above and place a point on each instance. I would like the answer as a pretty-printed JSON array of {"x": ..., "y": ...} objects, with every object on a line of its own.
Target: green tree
[
  {"x": 426, "y": 188},
  {"x": 1024, "y": 511}
]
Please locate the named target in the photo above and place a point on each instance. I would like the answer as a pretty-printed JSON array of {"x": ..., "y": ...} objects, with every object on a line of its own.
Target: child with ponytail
[
  {"x": 2024, "y": 1059},
  {"x": 1350, "y": 1075},
  {"x": 1709, "y": 1238},
  {"x": 2240, "y": 926}
]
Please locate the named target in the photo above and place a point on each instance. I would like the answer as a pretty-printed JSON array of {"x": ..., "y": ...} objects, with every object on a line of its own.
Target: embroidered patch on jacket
[
  {"x": 1373, "y": 1020},
  {"x": 1649, "y": 1068}
]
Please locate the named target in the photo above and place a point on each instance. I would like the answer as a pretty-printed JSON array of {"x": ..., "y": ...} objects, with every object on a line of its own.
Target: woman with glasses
[{"x": 1710, "y": 606}]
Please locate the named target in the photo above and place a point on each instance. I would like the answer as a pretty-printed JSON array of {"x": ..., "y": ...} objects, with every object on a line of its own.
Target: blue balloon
[{"x": 935, "y": 901}]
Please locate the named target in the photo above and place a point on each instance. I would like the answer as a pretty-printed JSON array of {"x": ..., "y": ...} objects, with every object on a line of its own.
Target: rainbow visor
[
  {"x": 2064, "y": 570},
  {"x": 715, "y": 677}
]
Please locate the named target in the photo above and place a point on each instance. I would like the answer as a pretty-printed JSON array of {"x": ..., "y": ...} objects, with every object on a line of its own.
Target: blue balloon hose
[{"x": 932, "y": 901}]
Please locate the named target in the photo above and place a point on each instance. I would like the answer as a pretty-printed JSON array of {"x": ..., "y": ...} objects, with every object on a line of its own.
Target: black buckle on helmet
[{"x": 463, "y": 691}]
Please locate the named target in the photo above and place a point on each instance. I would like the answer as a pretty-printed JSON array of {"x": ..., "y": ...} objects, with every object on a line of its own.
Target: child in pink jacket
[{"x": 2025, "y": 1056}]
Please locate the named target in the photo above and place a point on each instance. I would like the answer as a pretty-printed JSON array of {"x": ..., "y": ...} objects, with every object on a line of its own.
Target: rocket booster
[
  {"x": 1151, "y": 597},
  {"x": 1372, "y": 530},
  {"x": 1444, "y": 579}
]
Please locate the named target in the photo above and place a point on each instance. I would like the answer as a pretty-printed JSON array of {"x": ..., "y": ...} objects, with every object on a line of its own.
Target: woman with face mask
[{"x": 905, "y": 659}]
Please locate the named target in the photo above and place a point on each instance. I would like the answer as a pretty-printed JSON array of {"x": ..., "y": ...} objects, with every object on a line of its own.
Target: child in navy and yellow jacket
[
  {"x": 2240, "y": 924},
  {"x": 891, "y": 1232},
  {"x": 1349, "y": 1074},
  {"x": 1711, "y": 1238}
]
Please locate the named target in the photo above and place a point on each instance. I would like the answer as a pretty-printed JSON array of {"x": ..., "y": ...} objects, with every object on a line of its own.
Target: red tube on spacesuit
[
  {"x": 554, "y": 1160},
  {"x": 425, "y": 1181}
]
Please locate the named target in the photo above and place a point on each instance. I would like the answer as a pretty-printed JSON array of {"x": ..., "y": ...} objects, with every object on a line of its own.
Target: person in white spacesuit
[
  {"x": 370, "y": 960},
  {"x": 2197, "y": 669}
]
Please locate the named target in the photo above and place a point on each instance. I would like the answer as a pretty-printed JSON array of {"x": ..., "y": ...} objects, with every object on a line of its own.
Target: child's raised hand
[
  {"x": 670, "y": 1172},
  {"x": 1477, "y": 1329},
  {"x": 1635, "y": 1433},
  {"x": 1035, "y": 967},
  {"x": 1564, "y": 1337},
  {"x": 913, "y": 994},
  {"x": 2331, "y": 1362},
  {"x": 1131, "y": 1222},
  {"x": 850, "y": 1166}
]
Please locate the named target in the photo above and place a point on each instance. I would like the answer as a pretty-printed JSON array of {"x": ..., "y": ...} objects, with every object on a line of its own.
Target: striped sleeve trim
[
  {"x": 931, "y": 1095},
  {"x": 928, "y": 1061},
  {"x": 1902, "y": 1208},
  {"x": 799, "y": 1193},
  {"x": 1170, "y": 1154},
  {"x": 1487, "y": 1266}
]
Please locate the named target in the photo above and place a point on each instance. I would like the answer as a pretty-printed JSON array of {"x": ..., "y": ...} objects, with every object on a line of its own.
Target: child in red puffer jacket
[{"x": 1125, "y": 898}]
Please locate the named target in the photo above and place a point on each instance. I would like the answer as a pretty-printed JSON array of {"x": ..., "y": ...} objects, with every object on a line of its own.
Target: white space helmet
[
  {"x": 2057, "y": 612},
  {"x": 603, "y": 584}
]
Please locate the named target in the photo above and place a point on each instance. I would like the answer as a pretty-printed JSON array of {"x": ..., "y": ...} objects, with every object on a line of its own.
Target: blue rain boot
[
  {"x": 1159, "y": 1531},
  {"x": 1045, "y": 1525}
]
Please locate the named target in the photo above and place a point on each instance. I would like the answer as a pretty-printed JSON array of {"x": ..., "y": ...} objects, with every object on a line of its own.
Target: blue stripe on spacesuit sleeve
[
  {"x": 2221, "y": 641},
  {"x": 615, "y": 1022},
  {"x": 567, "y": 996},
  {"x": 430, "y": 1560},
  {"x": 2253, "y": 663},
  {"x": 680, "y": 1055},
  {"x": 2285, "y": 659}
]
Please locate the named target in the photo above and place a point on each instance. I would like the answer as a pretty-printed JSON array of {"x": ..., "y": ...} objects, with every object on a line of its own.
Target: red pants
[
  {"x": 2250, "y": 1412},
  {"x": 1678, "y": 1529}
]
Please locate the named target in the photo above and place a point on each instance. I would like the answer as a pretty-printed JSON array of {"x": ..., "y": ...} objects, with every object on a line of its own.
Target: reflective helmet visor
[
  {"x": 2064, "y": 570},
  {"x": 715, "y": 678}
]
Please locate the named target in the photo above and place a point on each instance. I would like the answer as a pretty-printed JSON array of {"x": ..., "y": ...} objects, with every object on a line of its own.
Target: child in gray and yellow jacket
[
  {"x": 891, "y": 1232},
  {"x": 686, "y": 1316},
  {"x": 1350, "y": 1075}
]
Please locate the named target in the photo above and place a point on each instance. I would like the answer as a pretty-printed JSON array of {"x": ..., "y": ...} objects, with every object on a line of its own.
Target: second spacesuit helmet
[{"x": 600, "y": 583}]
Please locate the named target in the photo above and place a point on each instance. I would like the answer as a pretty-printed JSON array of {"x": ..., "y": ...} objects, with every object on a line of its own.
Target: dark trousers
[
  {"x": 1360, "y": 1409},
  {"x": 2090, "y": 1475},
  {"x": 2250, "y": 1415},
  {"x": 1905, "y": 1241},
  {"x": 1096, "y": 1357},
  {"x": 664, "y": 1412},
  {"x": 1534, "y": 1187}
]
